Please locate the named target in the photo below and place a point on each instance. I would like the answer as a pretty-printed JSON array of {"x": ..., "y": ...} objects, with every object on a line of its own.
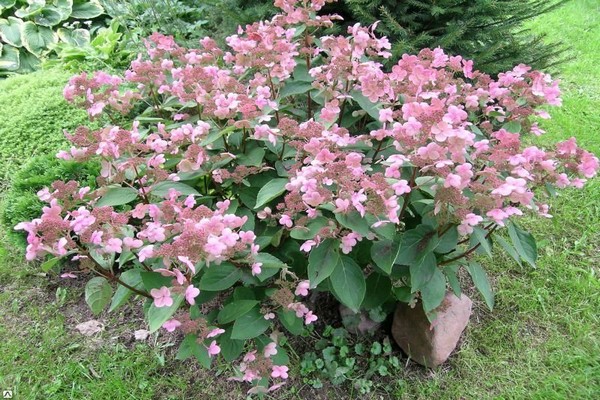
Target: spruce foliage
[{"x": 490, "y": 32}]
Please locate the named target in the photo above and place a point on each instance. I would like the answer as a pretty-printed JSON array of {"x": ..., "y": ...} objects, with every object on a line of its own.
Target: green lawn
[{"x": 541, "y": 341}]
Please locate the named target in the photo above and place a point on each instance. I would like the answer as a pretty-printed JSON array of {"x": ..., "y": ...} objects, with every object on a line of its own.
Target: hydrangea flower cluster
[{"x": 287, "y": 162}]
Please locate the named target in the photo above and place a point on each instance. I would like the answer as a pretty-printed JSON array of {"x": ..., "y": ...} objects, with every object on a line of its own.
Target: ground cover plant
[
  {"x": 33, "y": 114},
  {"x": 379, "y": 176},
  {"x": 539, "y": 343}
]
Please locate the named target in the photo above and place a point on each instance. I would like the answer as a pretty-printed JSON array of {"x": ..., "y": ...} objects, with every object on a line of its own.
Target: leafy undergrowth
[{"x": 540, "y": 342}]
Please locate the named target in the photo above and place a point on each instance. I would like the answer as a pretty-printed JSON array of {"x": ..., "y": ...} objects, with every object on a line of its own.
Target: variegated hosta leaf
[
  {"x": 33, "y": 8},
  {"x": 36, "y": 38},
  {"x": 10, "y": 31},
  {"x": 65, "y": 7},
  {"x": 9, "y": 59},
  {"x": 48, "y": 16},
  {"x": 86, "y": 9},
  {"x": 27, "y": 62},
  {"x": 6, "y": 4},
  {"x": 76, "y": 37}
]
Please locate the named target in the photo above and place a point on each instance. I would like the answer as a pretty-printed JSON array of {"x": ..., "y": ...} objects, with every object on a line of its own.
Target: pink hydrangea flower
[
  {"x": 191, "y": 293},
  {"x": 279, "y": 371},
  {"x": 162, "y": 297},
  {"x": 171, "y": 325}
]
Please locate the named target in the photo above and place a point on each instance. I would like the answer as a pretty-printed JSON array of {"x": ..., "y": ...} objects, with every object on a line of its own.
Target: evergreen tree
[{"x": 488, "y": 31}]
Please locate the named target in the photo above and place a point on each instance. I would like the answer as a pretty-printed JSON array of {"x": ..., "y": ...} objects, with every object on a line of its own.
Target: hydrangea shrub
[{"x": 288, "y": 163}]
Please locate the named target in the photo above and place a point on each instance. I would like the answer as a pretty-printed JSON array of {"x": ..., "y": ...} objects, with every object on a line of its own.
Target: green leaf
[
  {"x": 249, "y": 325},
  {"x": 88, "y": 9},
  {"x": 434, "y": 291},
  {"x": 117, "y": 196},
  {"x": 252, "y": 158},
  {"x": 292, "y": 323},
  {"x": 404, "y": 294},
  {"x": 482, "y": 283},
  {"x": 322, "y": 261},
  {"x": 154, "y": 280},
  {"x": 49, "y": 264},
  {"x": 416, "y": 243},
  {"x": 271, "y": 265},
  {"x": 524, "y": 243},
  {"x": 190, "y": 347},
  {"x": 379, "y": 289},
  {"x": 157, "y": 316},
  {"x": 65, "y": 7},
  {"x": 131, "y": 277},
  {"x": 451, "y": 272},
  {"x": 48, "y": 16},
  {"x": 509, "y": 249},
  {"x": 294, "y": 88},
  {"x": 161, "y": 189},
  {"x": 353, "y": 221},
  {"x": 37, "y": 39},
  {"x": 220, "y": 277},
  {"x": 270, "y": 191},
  {"x": 234, "y": 310},
  {"x": 75, "y": 37},
  {"x": 448, "y": 241},
  {"x": 230, "y": 348},
  {"x": 4, "y": 4},
  {"x": 371, "y": 108},
  {"x": 348, "y": 283},
  {"x": 27, "y": 62},
  {"x": 512, "y": 127},
  {"x": 310, "y": 230},
  {"x": 422, "y": 272},
  {"x": 10, "y": 31},
  {"x": 479, "y": 237},
  {"x": 9, "y": 60},
  {"x": 97, "y": 294},
  {"x": 384, "y": 254},
  {"x": 33, "y": 7}
]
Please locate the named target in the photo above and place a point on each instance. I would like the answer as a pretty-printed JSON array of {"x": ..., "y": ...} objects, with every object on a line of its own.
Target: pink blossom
[
  {"x": 270, "y": 350},
  {"x": 132, "y": 243},
  {"x": 171, "y": 325},
  {"x": 286, "y": 221},
  {"x": 213, "y": 348},
  {"x": 191, "y": 293},
  {"x": 309, "y": 318},
  {"x": 215, "y": 332},
  {"x": 145, "y": 253},
  {"x": 386, "y": 115},
  {"x": 256, "y": 268},
  {"x": 113, "y": 245},
  {"x": 188, "y": 263},
  {"x": 308, "y": 245},
  {"x": 302, "y": 288},
  {"x": 162, "y": 297},
  {"x": 279, "y": 371}
]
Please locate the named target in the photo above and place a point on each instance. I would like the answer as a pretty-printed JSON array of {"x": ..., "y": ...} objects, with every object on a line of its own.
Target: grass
[{"x": 541, "y": 341}]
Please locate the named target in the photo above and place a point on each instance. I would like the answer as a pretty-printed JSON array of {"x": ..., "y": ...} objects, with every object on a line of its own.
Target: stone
[
  {"x": 90, "y": 327},
  {"x": 141, "y": 334},
  {"x": 430, "y": 344},
  {"x": 358, "y": 323}
]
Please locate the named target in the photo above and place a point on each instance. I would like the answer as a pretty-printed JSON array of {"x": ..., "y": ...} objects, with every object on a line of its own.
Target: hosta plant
[
  {"x": 30, "y": 28},
  {"x": 288, "y": 163}
]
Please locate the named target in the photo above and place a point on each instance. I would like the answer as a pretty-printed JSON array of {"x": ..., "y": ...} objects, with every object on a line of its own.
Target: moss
[{"x": 33, "y": 115}]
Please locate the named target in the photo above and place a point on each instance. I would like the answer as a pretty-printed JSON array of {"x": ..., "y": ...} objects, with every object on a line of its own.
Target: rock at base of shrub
[{"x": 430, "y": 343}]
